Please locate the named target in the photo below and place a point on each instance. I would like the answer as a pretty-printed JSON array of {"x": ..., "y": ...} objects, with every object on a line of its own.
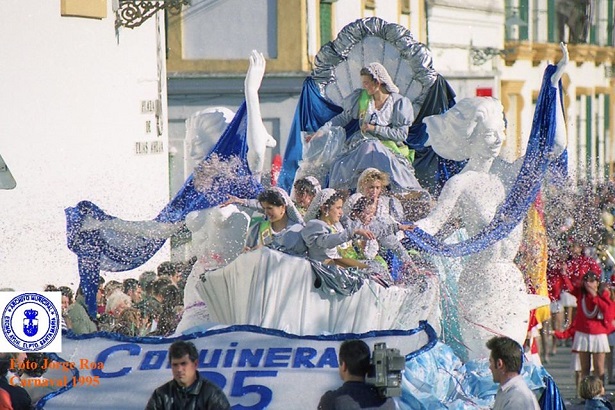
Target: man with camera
[{"x": 355, "y": 393}]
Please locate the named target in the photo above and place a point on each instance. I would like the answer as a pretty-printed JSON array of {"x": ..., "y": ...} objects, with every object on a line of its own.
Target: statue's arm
[
  {"x": 257, "y": 135},
  {"x": 561, "y": 138},
  {"x": 445, "y": 207}
]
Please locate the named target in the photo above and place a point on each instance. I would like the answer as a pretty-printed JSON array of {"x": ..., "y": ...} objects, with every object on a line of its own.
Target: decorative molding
[
  {"x": 539, "y": 52},
  {"x": 133, "y": 13}
]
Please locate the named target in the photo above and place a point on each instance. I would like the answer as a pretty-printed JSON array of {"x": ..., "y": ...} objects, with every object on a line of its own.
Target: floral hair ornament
[{"x": 381, "y": 74}]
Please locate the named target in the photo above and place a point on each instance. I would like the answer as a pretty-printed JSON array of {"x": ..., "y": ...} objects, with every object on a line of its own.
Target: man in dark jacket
[
  {"x": 19, "y": 396},
  {"x": 188, "y": 390},
  {"x": 354, "y": 358}
]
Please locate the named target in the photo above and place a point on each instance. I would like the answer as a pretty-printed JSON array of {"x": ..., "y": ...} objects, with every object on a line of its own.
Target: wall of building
[{"x": 72, "y": 129}]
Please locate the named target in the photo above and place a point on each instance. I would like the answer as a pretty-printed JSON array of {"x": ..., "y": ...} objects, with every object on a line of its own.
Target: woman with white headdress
[
  {"x": 330, "y": 243},
  {"x": 384, "y": 117},
  {"x": 281, "y": 228},
  {"x": 303, "y": 192}
]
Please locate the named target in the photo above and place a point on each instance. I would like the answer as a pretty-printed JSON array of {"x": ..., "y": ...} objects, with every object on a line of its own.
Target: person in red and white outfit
[{"x": 592, "y": 323}]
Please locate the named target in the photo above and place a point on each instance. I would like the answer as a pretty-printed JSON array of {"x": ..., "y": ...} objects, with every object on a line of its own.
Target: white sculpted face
[{"x": 487, "y": 142}]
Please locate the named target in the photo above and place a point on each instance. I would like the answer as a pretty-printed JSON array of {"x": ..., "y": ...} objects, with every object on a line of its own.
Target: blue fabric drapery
[
  {"x": 119, "y": 251},
  {"x": 523, "y": 192},
  {"x": 312, "y": 111}
]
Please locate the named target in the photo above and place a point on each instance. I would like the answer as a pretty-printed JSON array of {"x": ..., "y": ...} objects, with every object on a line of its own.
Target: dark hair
[
  {"x": 365, "y": 71},
  {"x": 39, "y": 359},
  {"x": 509, "y": 351},
  {"x": 130, "y": 284},
  {"x": 68, "y": 292},
  {"x": 355, "y": 353},
  {"x": 5, "y": 363},
  {"x": 168, "y": 268},
  {"x": 146, "y": 279},
  {"x": 590, "y": 387},
  {"x": 329, "y": 202},
  {"x": 304, "y": 185},
  {"x": 51, "y": 288},
  {"x": 361, "y": 205},
  {"x": 181, "y": 348},
  {"x": 159, "y": 284},
  {"x": 271, "y": 196}
]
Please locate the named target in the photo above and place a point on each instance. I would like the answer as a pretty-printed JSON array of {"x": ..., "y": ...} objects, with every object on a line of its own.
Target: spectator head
[
  {"x": 117, "y": 302},
  {"x": 506, "y": 357},
  {"x": 37, "y": 364},
  {"x": 132, "y": 288},
  {"x": 67, "y": 297},
  {"x": 145, "y": 280},
  {"x": 130, "y": 322},
  {"x": 51, "y": 288},
  {"x": 10, "y": 361},
  {"x": 5, "y": 363},
  {"x": 171, "y": 296},
  {"x": 157, "y": 287},
  {"x": 171, "y": 270},
  {"x": 111, "y": 287},
  {"x": 150, "y": 311},
  {"x": 100, "y": 294},
  {"x": 354, "y": 358},
  {"x": 591, "y": 387},
  {"x": 183, "y": 359}
]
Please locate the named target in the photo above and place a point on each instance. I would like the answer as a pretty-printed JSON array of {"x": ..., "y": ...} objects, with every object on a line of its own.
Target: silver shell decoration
[{"x": 338, "y": 63}]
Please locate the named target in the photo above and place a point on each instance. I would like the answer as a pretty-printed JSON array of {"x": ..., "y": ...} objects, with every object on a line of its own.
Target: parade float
[{"x": 266, "y": 333}]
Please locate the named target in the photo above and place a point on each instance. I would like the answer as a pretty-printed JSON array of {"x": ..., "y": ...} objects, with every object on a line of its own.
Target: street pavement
[{"x": 559, "y": 368}]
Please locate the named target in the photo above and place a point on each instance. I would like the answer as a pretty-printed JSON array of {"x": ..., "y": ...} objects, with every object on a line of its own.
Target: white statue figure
[
  {"x": 203, "y": 130},
  {"x": 492, "y": 297},
  {"x": 258, "y": 137},
  {"x": 218, "y": 237}
]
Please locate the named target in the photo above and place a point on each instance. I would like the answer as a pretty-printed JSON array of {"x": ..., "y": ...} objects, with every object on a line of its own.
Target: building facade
[{"x": 487, "y": 48}]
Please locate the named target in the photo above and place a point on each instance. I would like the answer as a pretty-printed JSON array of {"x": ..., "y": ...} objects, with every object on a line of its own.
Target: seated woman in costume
[
  {"x": 329, "y": 242},
  {"x": 389, "y": 212},
  {"x": 360, "y": 217},
  {"x": 378, "y": 140},
  {"x": 303, "y": 192},
  {"x": 281, "y": 228}
]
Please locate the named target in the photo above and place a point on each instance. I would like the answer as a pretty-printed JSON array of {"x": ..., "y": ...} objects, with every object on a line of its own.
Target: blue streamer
[
  {"x": 522, "y": 194},
  {"x": 125, "y": 251}
]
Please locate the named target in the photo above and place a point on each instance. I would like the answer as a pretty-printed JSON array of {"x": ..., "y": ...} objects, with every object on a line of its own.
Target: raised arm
[
  {"x": 258, "y": 136},
  {"x": 561, "y": 133}
]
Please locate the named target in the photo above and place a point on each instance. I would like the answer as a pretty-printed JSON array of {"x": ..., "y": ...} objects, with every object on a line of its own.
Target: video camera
[{"x": 385, "y": 370}]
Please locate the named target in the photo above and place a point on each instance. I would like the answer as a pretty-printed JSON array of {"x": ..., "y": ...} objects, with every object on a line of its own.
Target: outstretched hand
[
  {"x": 561, "y": 65},
  {"x": 365, "y": 233}
]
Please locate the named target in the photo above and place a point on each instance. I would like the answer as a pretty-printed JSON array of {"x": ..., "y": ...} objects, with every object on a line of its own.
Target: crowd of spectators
[{"x": 150, "y": 305}]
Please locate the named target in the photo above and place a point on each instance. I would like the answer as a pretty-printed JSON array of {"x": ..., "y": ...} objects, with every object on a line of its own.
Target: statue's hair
[{"x": 451, "y": 134}]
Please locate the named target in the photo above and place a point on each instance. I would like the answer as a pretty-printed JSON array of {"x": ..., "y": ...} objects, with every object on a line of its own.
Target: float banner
[
  {"x": 31, "y": 322},
  {"x": 257, "y": 368}
]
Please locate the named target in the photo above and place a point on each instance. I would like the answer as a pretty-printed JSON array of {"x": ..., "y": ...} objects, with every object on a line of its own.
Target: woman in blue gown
[{"x": 378, "y": 140}]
